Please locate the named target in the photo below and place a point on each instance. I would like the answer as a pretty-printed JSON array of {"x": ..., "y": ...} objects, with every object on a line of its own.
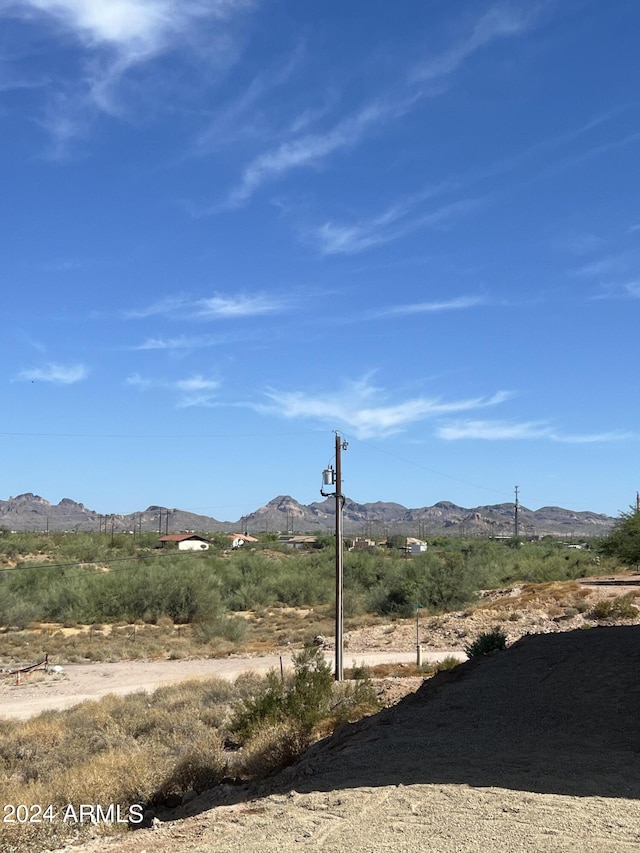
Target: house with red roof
[{"x": 185, "y": 542}]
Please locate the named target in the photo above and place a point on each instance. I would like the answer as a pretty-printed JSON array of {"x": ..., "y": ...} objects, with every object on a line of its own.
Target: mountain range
[{"x": 283, "y": 514}]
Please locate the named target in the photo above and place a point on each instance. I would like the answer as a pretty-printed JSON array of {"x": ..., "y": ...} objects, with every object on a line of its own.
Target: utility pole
[
  {"x": 334, "y": 478},
  {"x": 516, "y": 520}
]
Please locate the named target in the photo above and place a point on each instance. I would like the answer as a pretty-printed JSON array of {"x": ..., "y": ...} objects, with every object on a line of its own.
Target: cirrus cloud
[
  {"x": 114, "y": 37},
  {"x": 196, "y": 390},
  {"x": 513, "y": 430},
  {"x": 358, "y": 407},
  {"x": 57, "y": 374}
]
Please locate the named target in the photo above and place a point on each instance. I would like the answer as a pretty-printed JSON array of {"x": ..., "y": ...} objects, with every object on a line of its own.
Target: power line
[
  {"x": 426, "y": 467},
  {"x": 135, "y": 560},
  {"x": 162, "y": 435}
]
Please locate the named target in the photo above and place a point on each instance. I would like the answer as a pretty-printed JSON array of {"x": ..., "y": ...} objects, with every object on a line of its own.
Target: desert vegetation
[
  {"x": 93, "y": 597},
  {"x": 87, "y": 578},
  {"x": 98, "y": 597},
  {"x": 158, "y": 750}
]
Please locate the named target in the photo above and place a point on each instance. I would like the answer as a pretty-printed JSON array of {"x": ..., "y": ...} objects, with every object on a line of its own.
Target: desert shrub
[
  {"x": 271, "y": 747},
  {"x": 447, "y": 584},
  {"x": 487, "y": 644},
  {"x": 353, "y": 699},
  {"x": 450, "y": 662},
  {"x": 435, "y": 582},
  {"x": 301, "y": 700},
  {"x": 200, "y": 767},
  {"x": 615, "y": 608},
  {"x": 219, "y": 627},
  {"x": 623, "y": 542},
  {"x": 279, "y": 719},
  {"x": 17, "y": 613}
]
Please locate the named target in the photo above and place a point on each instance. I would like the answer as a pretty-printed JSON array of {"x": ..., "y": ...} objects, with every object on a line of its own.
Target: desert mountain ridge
[{"x": 283, "y": 514}]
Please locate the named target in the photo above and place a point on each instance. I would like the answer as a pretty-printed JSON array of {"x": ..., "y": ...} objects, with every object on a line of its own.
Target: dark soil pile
[{"x": 555, "y": 713}]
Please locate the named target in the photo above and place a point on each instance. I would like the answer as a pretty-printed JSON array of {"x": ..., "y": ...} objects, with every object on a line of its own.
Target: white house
[
  {"x": 416, "y": 546},
  {"x": 185, "y": 541},
  {"x": 240, "y": 539}
]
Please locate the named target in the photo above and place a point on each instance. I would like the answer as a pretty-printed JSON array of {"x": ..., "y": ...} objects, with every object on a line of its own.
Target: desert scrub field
[
  {"x": 263, "y": 631},
  {"x": 86, "y": 579},
  {"x": 154, "y": 750},
  {"x": 86, "y": 597}
]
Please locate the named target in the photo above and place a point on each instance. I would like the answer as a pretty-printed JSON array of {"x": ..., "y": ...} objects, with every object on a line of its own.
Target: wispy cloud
[
  {"x": 357, "y": 406},
  {"x": 66, "y": 264},
  {"x": 182, "y": 342},
  {"x": 400, "y": 219},
  {"x": 244, "y": 117},
  {"x": 295, "y": 152},
  {"x": 214, "y": 307},
  {"x": 115, "y": 37},
  {"x": 460, "y": 303},
  {"x": 195, "y": 390},
  {"x": 582, "y": 243},
  {"x": 615, "y": 275},
  {"x": 604, "y": 267},
  {"x": 310, "y": 150},
  {"x": 166, "y": 306},
  {"x": 135, "y": 28},
  {"x": 57, "y": 374},
  {"x": 524, "y": 430},
  {"x": 407, "y": 215},
  {"x": 500, "y": 21},
  {"x": 237, "y": 306}
]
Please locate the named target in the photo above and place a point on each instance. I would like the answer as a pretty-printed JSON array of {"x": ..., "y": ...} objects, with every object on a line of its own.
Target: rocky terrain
[{"x": 283, "y": 514}]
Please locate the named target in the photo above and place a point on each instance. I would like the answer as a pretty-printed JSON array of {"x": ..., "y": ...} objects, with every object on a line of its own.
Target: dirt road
[{"x": 79, "y": 682}]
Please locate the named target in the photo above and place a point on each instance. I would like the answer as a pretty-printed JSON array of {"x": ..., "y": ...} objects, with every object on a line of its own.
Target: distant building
[
  {"x": 415, "y": 546},
  {"x": 240, "y": 539},
  {"x": 299, "y": 542},
  {"x": 361, "y": 544},
  {"x": 184, "y": 542}
]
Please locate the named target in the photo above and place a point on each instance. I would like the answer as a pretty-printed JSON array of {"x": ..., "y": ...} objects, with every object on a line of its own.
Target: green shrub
[
  {"x": 487, "y": 644},
  {"x": 302, "y": 700},
  {"x": 615, "y": 608},
  {"x": 450, "y": 662}
]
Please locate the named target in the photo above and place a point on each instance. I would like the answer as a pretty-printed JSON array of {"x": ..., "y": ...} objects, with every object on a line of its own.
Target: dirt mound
[{"x": 555, "y": 713}]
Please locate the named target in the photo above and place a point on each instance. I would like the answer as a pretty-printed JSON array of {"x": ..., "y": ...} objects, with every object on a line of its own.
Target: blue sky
[{"x": 231, "y": 227}]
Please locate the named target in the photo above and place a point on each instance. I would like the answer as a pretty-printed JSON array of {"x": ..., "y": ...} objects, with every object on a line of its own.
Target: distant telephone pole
[{"x": 516, "y": 520}]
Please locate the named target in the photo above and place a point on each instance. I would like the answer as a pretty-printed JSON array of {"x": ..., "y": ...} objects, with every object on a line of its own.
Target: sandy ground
[{"x": 533, "y": 749}]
